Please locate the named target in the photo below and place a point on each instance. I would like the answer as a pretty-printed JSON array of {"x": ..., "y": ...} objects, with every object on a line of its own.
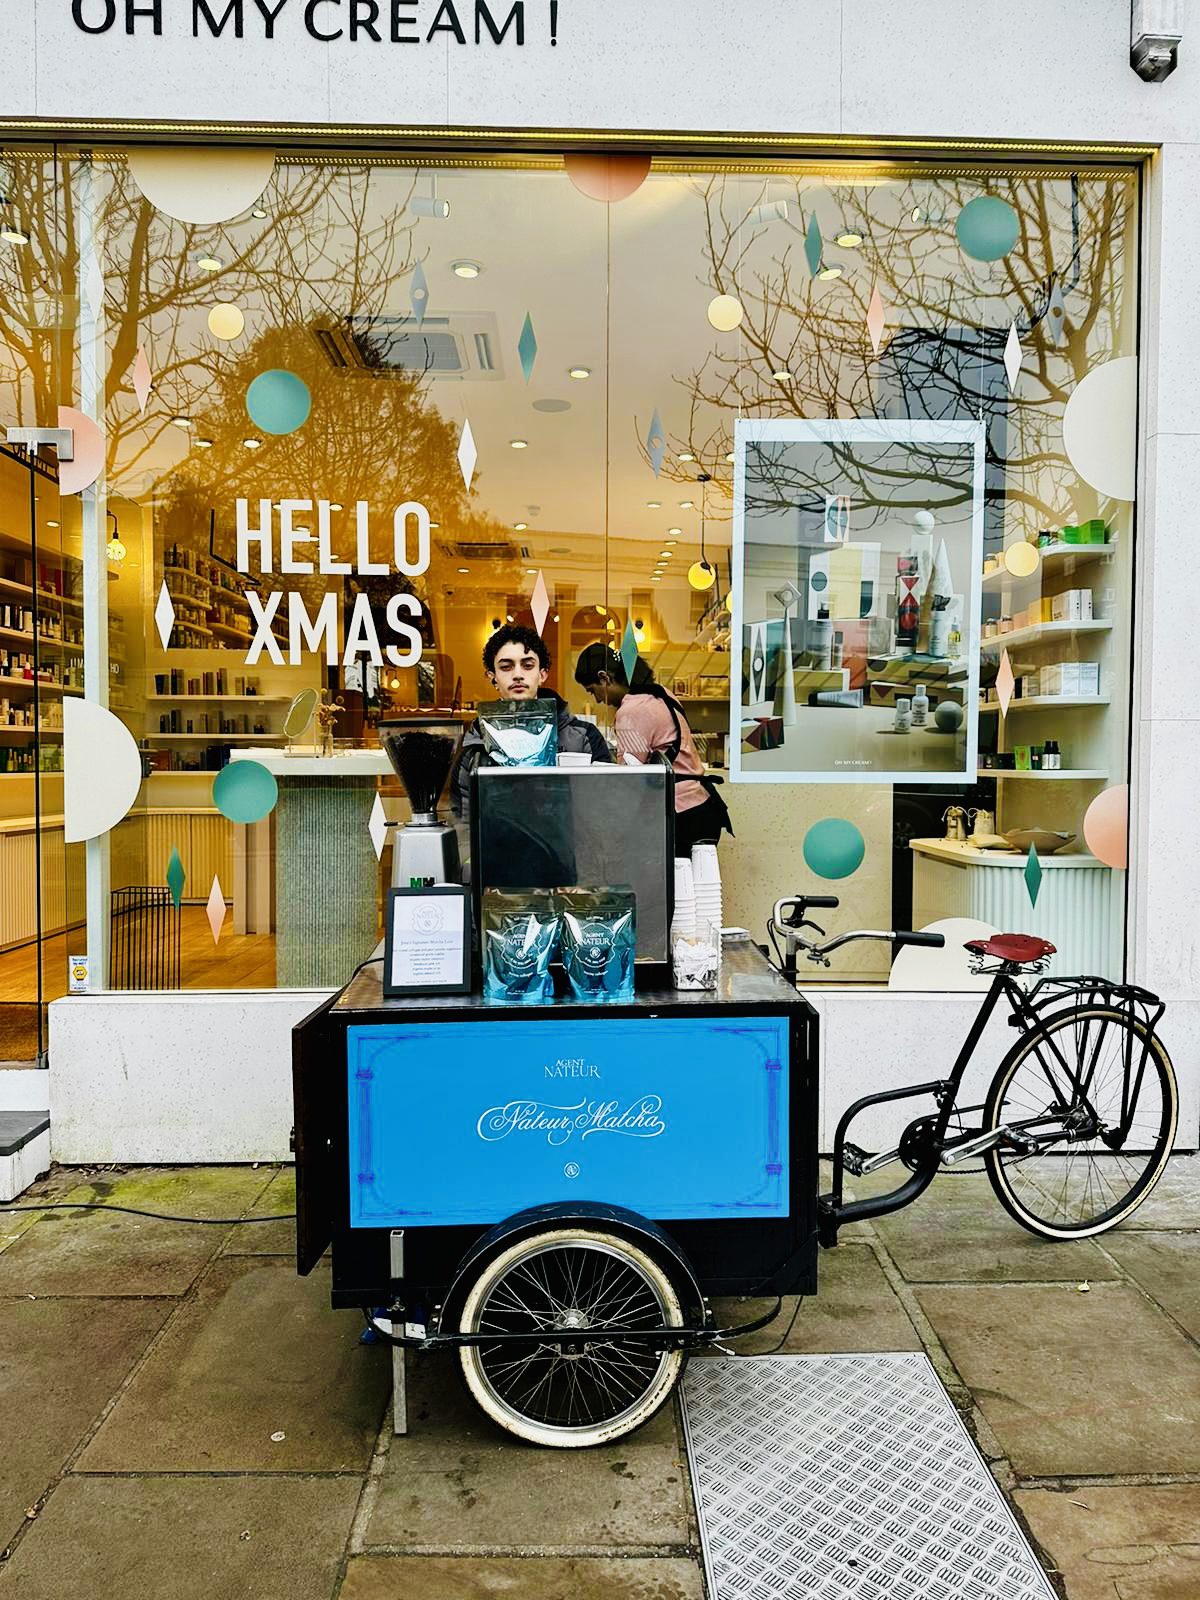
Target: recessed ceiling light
[
  {"x": 14, "y": 233},
  {"x": 555, "y": 618},
  {"x": 466, "y": 269},
  {"x": 601, "y": 611},
  {"x": 464, "y": 569},
  {"x": 209, "y": 263},
  {"x": 531, "y": 572},
  {"x": 829, "y": 272},
  {"x": 671, "y": 538},
  {"x": 687, "y": 456},
  {"x": 782, "y": 376},
  {"x": 519, "y": 444},
  {"x": 336, "y": 505},
  {"x": 252, "y": 444},
  {"x": 508, "y": 616},
  {"x": 181, "y": 422},
  {"x": 655, "y": 577},
  {"x": 259, "y": 214},
  {"x": 674, "y": 532},
  {"x": 52, "y": 524},
  {"x": 917, "y": 214},
  {"x": 204, "y": 444},
  {"x": 520, "y": 526},
  {"x": 579, "y": 372},
  {"x": 654, "y": 505},
  {"x": 730, "y": 456},
  {"x": 850, "y": 240},
  {"x": 432, "y": 524},
  {"x": 686, "y": 505},
  {"x": 664, "y": 555}
]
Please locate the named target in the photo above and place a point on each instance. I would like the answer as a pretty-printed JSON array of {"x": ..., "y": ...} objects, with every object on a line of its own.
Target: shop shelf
[
  {"x": 213, "y": 738},
  {"x": 1054, "y": 557},
  {"x": 1043, "y": 630},
  {"x": 1049, "y": 702},
  {"x": 1063, "y": 774},
  {"x": 31, "y": 684},
  {"x": 29, "y": 733},
  {"x": 250, "y": 699}
]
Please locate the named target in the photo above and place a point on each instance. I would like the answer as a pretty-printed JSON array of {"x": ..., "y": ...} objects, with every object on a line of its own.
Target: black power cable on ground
[{"x": 159, "y": 1216}]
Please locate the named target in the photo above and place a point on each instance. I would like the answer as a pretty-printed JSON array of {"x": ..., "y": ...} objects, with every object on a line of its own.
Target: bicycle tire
[
  {"x": 608, "y": 1389},
  {"x": 1091, "y": 1187}
]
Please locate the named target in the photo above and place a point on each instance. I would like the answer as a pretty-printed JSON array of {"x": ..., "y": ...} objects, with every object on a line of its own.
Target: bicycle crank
[{"x": 1014, "y": 1138}]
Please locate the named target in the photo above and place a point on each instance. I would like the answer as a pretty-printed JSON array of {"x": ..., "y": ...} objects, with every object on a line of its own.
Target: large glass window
[{"x": 555, "y": 364}]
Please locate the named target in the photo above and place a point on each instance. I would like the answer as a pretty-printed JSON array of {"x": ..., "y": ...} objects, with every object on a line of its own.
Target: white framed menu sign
[{"x": 427, "y": 941}]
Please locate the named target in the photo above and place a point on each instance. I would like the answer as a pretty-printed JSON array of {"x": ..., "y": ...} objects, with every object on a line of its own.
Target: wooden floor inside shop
[{"x": 236, "y": 961}]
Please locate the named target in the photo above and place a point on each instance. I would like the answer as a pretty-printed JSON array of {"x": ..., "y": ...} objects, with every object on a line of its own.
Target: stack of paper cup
[
  {"x": 706, "y": 874},
  {"x": 683, "y": 924}
]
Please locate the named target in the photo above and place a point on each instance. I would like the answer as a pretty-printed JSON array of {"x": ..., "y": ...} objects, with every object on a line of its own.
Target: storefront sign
[
  {"x": 857, "y": 556},
  {"x": 326, "y": 21},
  {"x": 469, "y": 1122},
  {"x": 282, "y": 550}
]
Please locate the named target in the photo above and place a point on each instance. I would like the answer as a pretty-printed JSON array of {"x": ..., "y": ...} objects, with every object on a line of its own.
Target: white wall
[{"x": 920, "y": 69}]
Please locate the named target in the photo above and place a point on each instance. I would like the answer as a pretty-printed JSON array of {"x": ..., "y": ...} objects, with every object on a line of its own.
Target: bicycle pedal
[{"x": 853, "y": 1159}]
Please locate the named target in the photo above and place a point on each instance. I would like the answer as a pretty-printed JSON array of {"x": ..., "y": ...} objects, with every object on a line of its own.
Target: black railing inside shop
[{"x": 144, "y": 941}]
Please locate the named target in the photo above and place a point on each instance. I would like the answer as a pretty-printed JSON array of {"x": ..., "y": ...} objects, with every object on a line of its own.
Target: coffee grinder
[{"x": 423, "y": 752}]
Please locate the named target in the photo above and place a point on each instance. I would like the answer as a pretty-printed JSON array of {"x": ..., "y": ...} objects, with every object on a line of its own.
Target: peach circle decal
[{"x": 609, "y": 178}]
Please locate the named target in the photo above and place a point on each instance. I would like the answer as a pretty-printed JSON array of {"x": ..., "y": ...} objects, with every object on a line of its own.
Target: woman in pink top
[{"x": 649, "y": 721}]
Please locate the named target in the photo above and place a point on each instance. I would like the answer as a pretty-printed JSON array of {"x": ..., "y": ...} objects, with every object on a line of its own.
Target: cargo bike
[{"x": 558, "y": 1194}]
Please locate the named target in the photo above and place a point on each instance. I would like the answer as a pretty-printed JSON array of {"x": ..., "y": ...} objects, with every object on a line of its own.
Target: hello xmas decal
[
  {"x": 327, "y": 21},
  {"x": 319, "y": 632}
]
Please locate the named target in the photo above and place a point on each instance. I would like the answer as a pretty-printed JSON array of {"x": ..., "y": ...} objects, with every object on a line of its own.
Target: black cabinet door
[{"x": 318, "y": 1077}]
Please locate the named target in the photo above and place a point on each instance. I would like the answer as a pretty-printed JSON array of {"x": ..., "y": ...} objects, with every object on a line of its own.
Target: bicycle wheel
[
  {"x": 570, "y": 1278},
  {"x": 1102, "y": 1104}
]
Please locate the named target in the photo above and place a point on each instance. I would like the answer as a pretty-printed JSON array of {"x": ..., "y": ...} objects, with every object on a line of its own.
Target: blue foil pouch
[
  {"x": 520, "y": 733},
  {"x": 520, "y": 932},
  {"x": 599, "y": 942}
]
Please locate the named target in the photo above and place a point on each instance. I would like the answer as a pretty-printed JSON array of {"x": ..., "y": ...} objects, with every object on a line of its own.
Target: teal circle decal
[
  {"x": 987, "y": 228},
  {"x": 834, "y": 848},
  {"x": 278, "y": 401},
  {"x": 244, "y": 791}
]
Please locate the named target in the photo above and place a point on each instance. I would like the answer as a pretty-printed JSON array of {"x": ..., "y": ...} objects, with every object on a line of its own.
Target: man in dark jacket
[{"x": 517, "y": 661}]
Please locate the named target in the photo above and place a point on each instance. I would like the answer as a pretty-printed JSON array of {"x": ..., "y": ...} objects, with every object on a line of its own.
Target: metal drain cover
[{"x": 845, "y": 1477}]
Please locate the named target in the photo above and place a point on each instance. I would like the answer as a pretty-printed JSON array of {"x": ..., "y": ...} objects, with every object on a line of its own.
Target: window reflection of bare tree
[
  {"x": 336, "y": 240},
  {"x": 948, "y": 317}
]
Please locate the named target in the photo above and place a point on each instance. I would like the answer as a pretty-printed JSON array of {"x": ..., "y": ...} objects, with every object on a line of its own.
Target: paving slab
[
  {"x": 957, "y": 1231},
  {"x": 457, "y": 1483},
  {"x": 15, "y": 1219},
  {"x": 94, "y": 1253},
  {"x": 60, "y": 1364},
  {"x": 1174, "y": 1202},
  {"x": 255, "y": 1352},
  {"x": 1167, "y": 1265},
  {"x": 1129, "y": 1543},
  {"x": 1090, "y": 1384},
  {"x": 529, "y": 1578},
  {"x": 187, "y": 1539},
  {"x": 268, "y": 1238},
  {"x": 855, "y": 1308}
]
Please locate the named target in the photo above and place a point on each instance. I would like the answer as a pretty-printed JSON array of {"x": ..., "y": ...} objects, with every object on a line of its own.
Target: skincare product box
[
  {"x": 1073, "y": 678},
  {"x": 1073, "y": 605}
]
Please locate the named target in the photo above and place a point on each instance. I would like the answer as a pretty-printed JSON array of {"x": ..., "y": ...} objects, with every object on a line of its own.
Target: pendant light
[{"x": 702, "y": 574}]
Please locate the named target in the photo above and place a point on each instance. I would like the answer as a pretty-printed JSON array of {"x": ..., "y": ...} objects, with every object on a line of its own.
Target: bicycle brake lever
[{"x": 816, "y": 926}]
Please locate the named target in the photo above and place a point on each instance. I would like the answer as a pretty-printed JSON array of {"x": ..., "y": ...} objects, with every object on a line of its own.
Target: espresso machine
[{"x": 423, "y": 752}]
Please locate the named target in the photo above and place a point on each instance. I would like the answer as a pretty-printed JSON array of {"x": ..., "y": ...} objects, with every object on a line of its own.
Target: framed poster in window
[
  {"x": 857, "y": 568},
  {"x": 427, "y": 941}
]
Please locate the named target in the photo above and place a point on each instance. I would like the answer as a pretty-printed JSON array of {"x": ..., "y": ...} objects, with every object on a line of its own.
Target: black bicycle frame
[{"x": 1030, "y": 1014}]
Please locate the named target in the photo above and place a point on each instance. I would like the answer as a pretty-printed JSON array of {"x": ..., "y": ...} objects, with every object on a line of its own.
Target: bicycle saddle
[{"x": 1020, "y": 948}]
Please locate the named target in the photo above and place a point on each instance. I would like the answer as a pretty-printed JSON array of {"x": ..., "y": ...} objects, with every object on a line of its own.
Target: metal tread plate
[{"x": 845, "y": 1477}]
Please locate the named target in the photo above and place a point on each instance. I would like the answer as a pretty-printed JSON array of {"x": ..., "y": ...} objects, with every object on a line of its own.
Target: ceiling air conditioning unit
[{"x": 463, "y": 346}]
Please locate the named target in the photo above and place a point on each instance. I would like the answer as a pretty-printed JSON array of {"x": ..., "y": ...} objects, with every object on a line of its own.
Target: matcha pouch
[
  {"x": 520, "y": 934},
  {"x": 599, "y": 942},
  {"x": 520, "y": 733}
]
